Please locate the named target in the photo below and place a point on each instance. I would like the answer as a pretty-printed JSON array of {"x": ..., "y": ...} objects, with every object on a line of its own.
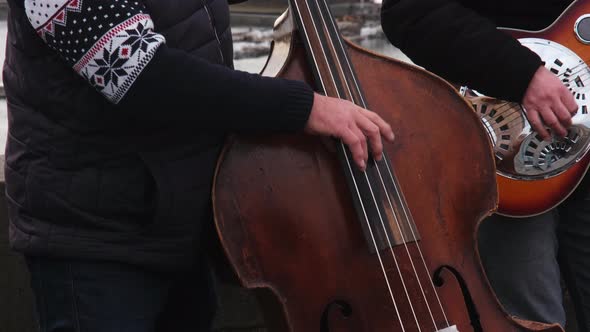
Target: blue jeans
[
  {"x": 520, "y": 260},
  {"x": 525, "y": 259},
  {"x": 88, "y": 296}
]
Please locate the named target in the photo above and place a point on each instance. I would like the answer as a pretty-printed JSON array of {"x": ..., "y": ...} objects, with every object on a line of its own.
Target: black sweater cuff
[{"x": 297, "y": 101}]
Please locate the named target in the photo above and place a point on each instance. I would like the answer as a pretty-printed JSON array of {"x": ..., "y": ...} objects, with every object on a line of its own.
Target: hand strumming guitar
[{"x": 548, "y": 102}]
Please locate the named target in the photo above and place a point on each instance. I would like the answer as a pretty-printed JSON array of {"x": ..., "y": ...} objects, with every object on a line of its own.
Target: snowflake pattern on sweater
[{"x": 108, "y": 42}]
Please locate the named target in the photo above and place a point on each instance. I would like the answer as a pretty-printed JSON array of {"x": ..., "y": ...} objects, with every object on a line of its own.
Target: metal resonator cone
[{"x": 520, "y": 152}]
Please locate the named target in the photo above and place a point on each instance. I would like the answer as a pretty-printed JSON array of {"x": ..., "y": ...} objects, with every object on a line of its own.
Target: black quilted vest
[{"x": 84, "y": 182}]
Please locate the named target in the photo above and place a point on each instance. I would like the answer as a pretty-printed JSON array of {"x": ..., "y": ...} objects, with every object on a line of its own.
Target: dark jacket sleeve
[
  {"x": 460, "y": 45},
  {"x": 179, "y": 86}
]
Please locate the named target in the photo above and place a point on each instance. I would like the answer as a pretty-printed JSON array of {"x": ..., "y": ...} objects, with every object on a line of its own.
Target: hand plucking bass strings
[{"x": 352, "y": 124}]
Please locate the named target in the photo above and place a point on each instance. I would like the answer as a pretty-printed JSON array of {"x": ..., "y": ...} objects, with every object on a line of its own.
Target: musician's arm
[
  {"x": 120, "y": 54},
  {"x": 115, "y": 48},
  {"x": 462, "y": 46},
  {"x": 458, "y": 44}
]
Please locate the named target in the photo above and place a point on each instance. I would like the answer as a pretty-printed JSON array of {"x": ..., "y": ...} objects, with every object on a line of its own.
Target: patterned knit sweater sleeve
[{"x": 112, "y": 44}]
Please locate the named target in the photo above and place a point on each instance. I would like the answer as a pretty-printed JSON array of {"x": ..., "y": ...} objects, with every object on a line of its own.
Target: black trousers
[{"x": 91, "y": 296}]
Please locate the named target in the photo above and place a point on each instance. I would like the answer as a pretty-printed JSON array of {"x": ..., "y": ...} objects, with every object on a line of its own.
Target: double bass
[{"x": 330, "y": 248}]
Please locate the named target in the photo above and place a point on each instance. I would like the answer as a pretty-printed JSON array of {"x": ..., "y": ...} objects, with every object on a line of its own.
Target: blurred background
[{"x": 252, "y": 23}]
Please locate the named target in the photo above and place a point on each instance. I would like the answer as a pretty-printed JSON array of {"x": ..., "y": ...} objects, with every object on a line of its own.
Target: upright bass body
[{"x": 287, "y": 220}]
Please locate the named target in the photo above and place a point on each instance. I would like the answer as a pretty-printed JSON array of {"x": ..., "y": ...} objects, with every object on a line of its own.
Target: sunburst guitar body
[{"x": 535, "y": 176}]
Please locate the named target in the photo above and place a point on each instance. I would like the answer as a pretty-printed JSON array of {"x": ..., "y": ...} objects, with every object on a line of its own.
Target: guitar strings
[
  {"x": 513, "y": 110},
  {"x": 398, "y": 192},
  {"x": 508, "y": 104},
  {"x": 381, "y": 219},
  {"x": 573, "y": 72},
  {"x": 342, "y": 147},
  {"x": 407, "y": 217},
  {"x": 369, "y": 185}
]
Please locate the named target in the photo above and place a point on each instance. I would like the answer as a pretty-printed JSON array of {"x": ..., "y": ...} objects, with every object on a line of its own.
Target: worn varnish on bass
[{"x": 334, "y": 249}]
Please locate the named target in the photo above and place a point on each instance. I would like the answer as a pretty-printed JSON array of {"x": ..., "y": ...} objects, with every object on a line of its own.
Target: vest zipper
[{"x": 212, "y": 22}]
